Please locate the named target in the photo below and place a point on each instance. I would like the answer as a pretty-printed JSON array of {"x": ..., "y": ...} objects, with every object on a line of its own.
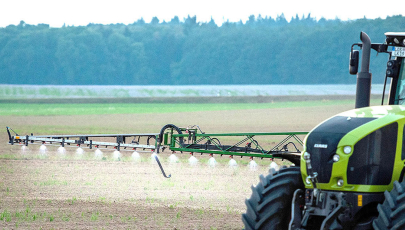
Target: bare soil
[{"x": 56, "y": 191}]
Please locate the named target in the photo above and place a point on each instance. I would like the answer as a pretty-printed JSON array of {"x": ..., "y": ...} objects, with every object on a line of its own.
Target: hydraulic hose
[{"x": 168, "y": 126}]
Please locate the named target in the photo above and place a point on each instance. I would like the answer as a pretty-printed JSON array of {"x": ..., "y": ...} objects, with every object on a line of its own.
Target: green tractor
[{"x": 351, "y": 170}]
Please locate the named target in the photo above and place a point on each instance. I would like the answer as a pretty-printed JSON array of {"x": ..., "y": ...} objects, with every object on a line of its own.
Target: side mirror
[{"x": 354, "y": 62}]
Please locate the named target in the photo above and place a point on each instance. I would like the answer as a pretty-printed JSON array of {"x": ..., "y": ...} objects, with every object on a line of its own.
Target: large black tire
[
  {"x": 269, "y": 207},
  {"x": 392, "y": 211}
]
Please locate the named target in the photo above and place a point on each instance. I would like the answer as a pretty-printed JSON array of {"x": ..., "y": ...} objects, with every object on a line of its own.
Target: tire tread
[
  {"x": 269, "y": 206},
  {"x": 392, "y": 210}
]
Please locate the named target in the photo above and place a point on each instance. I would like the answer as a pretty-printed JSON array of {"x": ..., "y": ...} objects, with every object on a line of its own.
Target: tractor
[{"x": 351, "y": 169}]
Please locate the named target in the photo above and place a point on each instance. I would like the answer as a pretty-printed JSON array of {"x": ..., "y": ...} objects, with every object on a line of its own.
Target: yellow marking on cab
[
  {"x": 360, "y": 200},
  {"x": 17, "y": 137}
]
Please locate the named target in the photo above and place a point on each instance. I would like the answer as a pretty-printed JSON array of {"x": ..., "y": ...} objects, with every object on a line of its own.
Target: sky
[{"x": 56, "y": 13}]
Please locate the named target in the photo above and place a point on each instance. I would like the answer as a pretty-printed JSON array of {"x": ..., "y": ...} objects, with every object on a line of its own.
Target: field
[
  {"x": 67, "y": 191},
  {"x": 166, "y": 91}
]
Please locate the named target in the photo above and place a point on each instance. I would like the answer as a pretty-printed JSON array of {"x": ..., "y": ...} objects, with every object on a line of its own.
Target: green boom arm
[{"x": 285, "y": 145}]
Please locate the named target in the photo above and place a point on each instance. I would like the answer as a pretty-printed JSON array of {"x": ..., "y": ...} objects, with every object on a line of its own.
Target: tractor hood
[
  {"x": 322, "y": 142},
  {"x": 375, "y": 111},
  {"x": 326, "y": 140}
]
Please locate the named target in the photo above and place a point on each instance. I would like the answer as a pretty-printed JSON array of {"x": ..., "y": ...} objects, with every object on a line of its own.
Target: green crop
[{"x": 21, "y": 109}]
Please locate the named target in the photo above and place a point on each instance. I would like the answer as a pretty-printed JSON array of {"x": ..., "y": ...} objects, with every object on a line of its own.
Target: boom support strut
[{"x": 242, "y": 144}]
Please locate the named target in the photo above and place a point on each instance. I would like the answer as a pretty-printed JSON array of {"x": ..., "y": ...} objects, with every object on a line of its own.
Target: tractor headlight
[
  {"x": 336, "y": 158},
  {"x": 340, "y": 182},
  {"x": 347, "y": 149},
  {"x": 396, "y": 40}
]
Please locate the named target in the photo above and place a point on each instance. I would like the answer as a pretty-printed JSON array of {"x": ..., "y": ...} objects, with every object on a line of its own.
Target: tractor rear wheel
[
  {"x": 392, "y": 211},
  {"x": 269, "y": 206}
]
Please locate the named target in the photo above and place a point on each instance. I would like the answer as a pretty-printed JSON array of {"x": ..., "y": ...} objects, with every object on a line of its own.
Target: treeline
[{"x": 261, "y": 51}]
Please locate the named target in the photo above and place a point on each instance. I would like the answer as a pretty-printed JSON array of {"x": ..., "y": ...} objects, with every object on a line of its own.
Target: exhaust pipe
[{"x": 363, "y": 88}]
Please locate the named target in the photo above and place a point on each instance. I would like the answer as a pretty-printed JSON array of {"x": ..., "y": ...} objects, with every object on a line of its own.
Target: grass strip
[{"x": 18, "y": 109}]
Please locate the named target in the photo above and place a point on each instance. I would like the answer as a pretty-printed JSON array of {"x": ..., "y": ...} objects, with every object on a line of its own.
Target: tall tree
[{"x": 263, "y": 50}]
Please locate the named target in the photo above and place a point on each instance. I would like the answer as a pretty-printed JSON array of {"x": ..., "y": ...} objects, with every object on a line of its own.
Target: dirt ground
[{"x": 70, "y": 191}]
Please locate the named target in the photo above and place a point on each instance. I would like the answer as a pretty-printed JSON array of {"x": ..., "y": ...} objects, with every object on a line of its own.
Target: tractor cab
[
  {"x": 394, "y": 45},
  {"x": 396, "y": 65}
]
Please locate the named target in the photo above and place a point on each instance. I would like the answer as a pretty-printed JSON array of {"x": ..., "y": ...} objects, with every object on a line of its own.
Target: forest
[{"x": 262, "y": 50}]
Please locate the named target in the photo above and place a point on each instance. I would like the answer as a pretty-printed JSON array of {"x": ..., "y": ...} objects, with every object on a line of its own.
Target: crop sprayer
[
  {"x": 190, "y": 139},
  {"x": 347, "y": 173}
]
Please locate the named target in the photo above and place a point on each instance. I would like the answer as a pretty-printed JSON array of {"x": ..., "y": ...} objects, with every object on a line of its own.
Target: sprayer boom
[
  {"x": 89, "y": 140},
  {"x": 285, "y": 145}
]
